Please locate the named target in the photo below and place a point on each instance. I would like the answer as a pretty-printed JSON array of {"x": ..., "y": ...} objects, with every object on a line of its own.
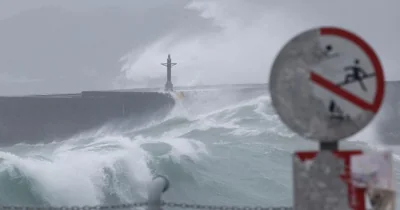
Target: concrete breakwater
[
  {"x": 46, "y": 118},
  {"x": 37, "y": 119}
]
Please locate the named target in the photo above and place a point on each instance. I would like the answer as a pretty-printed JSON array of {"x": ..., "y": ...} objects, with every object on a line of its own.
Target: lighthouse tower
[{"x": 169, "y": 86}]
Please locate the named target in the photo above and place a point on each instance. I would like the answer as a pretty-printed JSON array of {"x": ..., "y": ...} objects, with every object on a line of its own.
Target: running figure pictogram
[{"x": 356, "y": 74}]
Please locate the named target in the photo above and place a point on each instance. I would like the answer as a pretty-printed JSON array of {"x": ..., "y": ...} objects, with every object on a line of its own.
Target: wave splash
[{"x": 104, "y": 168}]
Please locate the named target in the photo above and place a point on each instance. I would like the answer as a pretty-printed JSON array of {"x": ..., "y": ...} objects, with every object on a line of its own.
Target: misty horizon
[{"x": 71, "y": 46}]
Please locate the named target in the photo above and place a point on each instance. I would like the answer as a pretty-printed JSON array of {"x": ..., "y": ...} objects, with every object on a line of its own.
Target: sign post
[{"x": 327, "y": 84}]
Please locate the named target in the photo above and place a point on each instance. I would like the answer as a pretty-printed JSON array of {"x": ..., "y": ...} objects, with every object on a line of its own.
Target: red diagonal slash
[{"x": 317, "y": 79}]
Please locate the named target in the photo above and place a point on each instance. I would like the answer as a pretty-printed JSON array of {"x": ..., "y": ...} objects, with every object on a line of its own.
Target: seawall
[
  {"x": 37, "y": 119},
  {"x": 40, "y": 119}
]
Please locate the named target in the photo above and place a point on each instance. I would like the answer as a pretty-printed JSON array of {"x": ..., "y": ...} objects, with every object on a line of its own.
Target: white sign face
[{"x": 326, "y": 84}]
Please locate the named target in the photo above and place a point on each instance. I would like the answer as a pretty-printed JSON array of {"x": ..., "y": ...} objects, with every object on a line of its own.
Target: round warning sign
[{"x": 326, "y": 84}]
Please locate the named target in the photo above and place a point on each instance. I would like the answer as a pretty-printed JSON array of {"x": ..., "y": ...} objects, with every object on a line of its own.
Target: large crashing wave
[
  {"x": 216, "y": 147},
  {"x": 114, "y": 167}
]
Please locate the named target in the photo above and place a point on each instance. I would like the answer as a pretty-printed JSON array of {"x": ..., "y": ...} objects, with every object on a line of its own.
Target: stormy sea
[{"x": 215, "y": 148}]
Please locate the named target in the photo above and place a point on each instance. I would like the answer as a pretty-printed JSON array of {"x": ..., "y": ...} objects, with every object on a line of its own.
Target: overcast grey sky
[{"x": 71, "y": 45}]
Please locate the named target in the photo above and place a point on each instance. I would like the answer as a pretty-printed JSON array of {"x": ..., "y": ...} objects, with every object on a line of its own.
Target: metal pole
[
  {"x": 158, "y": 186},
  {"x": 330, "y": 146}
]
